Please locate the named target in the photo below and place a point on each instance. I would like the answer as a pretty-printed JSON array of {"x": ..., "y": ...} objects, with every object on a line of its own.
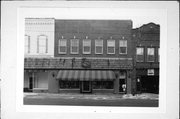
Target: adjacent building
[
  {"x": 39, "y": 43},
  {"x": 147, "y": 42}
]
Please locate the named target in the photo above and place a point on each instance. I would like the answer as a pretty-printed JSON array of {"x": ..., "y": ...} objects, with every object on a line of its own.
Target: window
[
  {"x": 102, "y": 84},
  {"x": 69, "y": 84},
  {"x": 150, "y": 54},
  {"x": 27, "y": 44},
  {"x": 42, "y": 44},
  {"x": 62, "y": 46},
  {"x": 122, "y": 46},
  {"x": 74, "y": 46},
  {"x": 99, "y": 46},
  {"x": 110, "y": 46},
  {"x": 139, "y": 54},
  {"x": 86, "y": 46}
]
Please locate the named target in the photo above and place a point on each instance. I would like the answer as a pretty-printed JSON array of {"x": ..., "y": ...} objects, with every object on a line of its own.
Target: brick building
[
  {"x": 90, "y": 56},
  {"x": 147, "y": 42},
  {"x": 94, "y": 55}
]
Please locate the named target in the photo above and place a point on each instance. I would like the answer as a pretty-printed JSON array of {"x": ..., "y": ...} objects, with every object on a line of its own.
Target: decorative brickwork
[{"x": 73, "y": 63}]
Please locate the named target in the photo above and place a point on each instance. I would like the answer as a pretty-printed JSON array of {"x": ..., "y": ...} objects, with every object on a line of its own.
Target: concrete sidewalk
[{"x": 108, "y": 96}]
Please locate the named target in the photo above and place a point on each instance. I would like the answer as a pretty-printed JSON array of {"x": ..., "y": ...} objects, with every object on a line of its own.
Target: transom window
[
  {"x": 150, "y": 54},
  {"x": 99, "y": 46},
  {"x": 42, "y": 44},
  {"x": 110, "y": 46},
  {"x": 122, "y": 46},
  {"x": 139, "y": 54},
  {"x": 74, "y": 46},
  {"x": 86, "y": 46},
  {"x": 27, "y": 44},
  {"x": 62, "y": 49}
]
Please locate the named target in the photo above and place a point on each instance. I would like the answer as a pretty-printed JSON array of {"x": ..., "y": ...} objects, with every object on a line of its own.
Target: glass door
[
  {"x": 86, "y": 86},
  {"x": 122, "y": 85}
]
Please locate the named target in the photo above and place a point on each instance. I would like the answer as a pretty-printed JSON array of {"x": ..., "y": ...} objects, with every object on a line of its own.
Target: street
[{"x": 90, "y": 100}]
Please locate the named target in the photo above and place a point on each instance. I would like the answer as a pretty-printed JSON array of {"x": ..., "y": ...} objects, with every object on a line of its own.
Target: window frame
[
  {"x": 123, "y": 46},
  {"x": 150, "y": 55},
  {"x": 28, "y": 46},
  {"x": 86, "y": 46},
  {"x": 114, "y": 46},
  {"x": 59, "y": 52},
  {"x": 46, "y": 50},
  {"x": 98, "y": 46},
  {"x": 140, "y": 55},
  {"x": 72, "y": 46}
]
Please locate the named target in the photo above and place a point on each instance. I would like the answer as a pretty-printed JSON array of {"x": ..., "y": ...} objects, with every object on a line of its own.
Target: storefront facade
[
  {"x": 91, "y": 56},
  {"x": 39, "y": 40},
  {"x": 147, "y": 42},
  {"x": 99, "y": 55}
]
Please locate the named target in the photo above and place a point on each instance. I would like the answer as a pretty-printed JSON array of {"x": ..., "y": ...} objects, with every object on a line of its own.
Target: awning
[{"x": 85, "y": 75}]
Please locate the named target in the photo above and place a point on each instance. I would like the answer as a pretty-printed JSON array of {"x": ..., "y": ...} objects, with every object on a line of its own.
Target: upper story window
[
  {"x": 74, "y": 46},
  {"x": 99, "y": 46},
  {"x": 42, "y": 44},
  {"x": 27, "y": 44},
  {"x": 86, "y": 46},
  {"x": 110, "y": 46},
  {"x": 139, "y": 54},
  {"x": 122, "y": 46},
  {"x": 150, "y": 54},
  {"x": 62, "y": 49}
]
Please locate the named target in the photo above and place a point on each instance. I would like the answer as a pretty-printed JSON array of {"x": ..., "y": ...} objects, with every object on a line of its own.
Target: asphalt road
[{"x": 91, "y": 102}]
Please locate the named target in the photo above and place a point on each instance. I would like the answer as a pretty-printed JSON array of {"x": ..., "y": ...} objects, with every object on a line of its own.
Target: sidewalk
[{"x": 92, "y": 96}]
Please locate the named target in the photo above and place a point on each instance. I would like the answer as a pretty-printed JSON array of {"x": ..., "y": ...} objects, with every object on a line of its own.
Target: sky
[{"x": 138, "y": 16}]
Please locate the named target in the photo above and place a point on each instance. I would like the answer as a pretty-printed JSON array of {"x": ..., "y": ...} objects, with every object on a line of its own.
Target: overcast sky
[{"x": 138, "y": 16}]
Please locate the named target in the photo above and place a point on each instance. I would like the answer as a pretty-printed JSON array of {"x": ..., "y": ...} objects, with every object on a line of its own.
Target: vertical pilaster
[
  {"x": 116, "y": 85},
  {"x": 53, "y": 83},
  {"x": 129, "y": 77}
]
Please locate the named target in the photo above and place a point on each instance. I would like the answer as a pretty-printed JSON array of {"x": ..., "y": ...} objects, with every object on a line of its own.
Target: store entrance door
[
  {"x": 30, "y": 83},
  {"x": 122, "y": 85},
  {"x": 86, "y": 87}
]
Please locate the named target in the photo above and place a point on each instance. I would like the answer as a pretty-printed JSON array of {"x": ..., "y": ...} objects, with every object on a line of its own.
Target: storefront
[
  {"x": 48, "y": 75},
  {"x": 36, "y": 80},
  {"x": 86, "y": 81},
  {"x": 147, "y": 81}
]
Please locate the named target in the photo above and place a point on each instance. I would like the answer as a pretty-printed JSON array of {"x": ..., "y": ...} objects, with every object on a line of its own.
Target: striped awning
[{"x": 85, "y": 75}]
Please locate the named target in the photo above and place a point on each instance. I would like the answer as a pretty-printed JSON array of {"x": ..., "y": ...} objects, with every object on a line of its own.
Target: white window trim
[
  {"x": 77, "y": 46},
  {"x": 139, "y": 55},
  {"x": 89, "y": 46},
  {"x": 46, "y": 50},
  {"x": 98, "y": 46},
  {"x": 29, "y": 44},
  {"x": 150, "y": 55},
  {"x": 114, "y": 47},
  {"x": 120, "y": 46},
  {"x": 59, "y": 47}
]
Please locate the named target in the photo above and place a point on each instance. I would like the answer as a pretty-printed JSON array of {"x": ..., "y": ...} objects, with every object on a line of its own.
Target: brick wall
[
  {"x": 94, "y": 29},
  {"x": 147, "y": 36},
  {"x": 73, "y": 63}
]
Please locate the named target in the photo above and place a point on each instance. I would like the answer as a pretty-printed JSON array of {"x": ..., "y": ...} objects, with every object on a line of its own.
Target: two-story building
[
  {"x": 39, "y": 44},
  {"x": 94, "y": 55},
  {"x": 147, "y": 41}
]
